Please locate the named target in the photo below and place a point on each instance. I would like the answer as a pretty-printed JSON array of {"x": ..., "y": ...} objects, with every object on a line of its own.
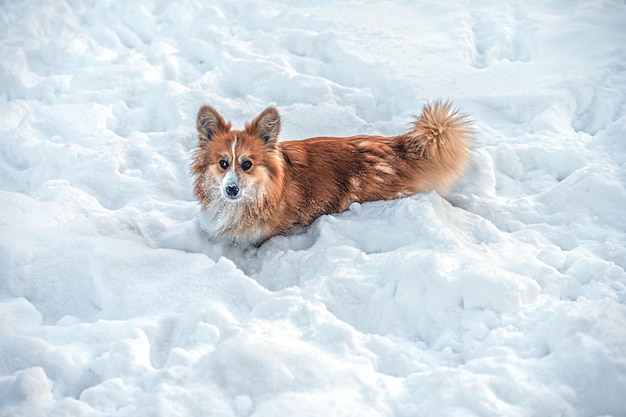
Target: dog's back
[{"x": 325, "y": 175}]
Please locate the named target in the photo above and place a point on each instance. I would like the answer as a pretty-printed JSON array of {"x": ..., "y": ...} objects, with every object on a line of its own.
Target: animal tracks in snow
[{"x": 508, "y": 35}]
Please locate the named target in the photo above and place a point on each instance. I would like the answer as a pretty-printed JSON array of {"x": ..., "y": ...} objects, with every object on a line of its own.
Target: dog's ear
[
  {"x": 266, "y": 126},
  {"x": 209, "y": 123}
]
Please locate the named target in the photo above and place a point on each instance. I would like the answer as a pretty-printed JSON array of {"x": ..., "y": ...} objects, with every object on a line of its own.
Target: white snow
[{"x": 506, "y": 298}]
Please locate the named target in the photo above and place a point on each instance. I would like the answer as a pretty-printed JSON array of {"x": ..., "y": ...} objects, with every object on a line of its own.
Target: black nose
[{"x": 232, "y": 191}]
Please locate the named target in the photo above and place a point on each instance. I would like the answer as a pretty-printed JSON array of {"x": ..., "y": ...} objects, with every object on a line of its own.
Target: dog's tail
[{"x": 440, "y": 143}]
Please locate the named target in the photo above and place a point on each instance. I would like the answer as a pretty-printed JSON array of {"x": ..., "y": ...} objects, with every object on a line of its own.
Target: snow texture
[{"x": 506, "y": 298}]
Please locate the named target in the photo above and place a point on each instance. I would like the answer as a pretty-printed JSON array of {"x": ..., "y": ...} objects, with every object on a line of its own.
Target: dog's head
[{"x": 236, "y": 165}]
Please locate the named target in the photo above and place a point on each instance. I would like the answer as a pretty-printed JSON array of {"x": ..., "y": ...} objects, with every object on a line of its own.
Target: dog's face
[{"x": 236, "y": 165}]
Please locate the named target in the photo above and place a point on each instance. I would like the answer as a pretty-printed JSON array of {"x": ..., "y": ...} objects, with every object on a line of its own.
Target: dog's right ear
[{"x": 209, "y": 123}]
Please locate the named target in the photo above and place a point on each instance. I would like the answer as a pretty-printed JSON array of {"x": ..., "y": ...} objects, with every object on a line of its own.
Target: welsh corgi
[{"x": 251, "y": 186}]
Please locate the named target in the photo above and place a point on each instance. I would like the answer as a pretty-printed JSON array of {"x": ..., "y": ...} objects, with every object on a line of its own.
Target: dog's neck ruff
[{"x": 237, "y": 222}]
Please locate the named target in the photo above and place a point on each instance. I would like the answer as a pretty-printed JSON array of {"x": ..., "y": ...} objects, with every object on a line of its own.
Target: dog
[{"x": 251, "y": 186}]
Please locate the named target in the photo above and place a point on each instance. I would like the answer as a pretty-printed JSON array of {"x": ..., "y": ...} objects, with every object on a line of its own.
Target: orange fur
[{"x": 252, "y": 187}]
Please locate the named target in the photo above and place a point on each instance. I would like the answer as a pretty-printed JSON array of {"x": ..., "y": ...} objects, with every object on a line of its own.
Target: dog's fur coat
[{"x": 252, "y": 187}]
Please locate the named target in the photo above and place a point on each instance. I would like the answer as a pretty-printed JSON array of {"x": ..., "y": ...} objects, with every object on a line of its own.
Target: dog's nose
[{"x": 232, "y": 191}]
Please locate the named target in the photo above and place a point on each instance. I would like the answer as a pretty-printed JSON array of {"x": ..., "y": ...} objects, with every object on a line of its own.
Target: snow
[{"x": 507, "y": 297}]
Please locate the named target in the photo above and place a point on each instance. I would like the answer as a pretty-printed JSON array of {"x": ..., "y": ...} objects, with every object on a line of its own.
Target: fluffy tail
[{"x": 440, "y": 141}]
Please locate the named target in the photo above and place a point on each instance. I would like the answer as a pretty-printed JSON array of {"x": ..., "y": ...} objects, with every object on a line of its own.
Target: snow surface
[{"x": 507, "y": 298}]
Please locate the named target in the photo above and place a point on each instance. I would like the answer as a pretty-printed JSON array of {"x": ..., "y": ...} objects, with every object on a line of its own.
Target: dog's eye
[
  {"x": 246, "y": 165},
  {"x": 224, "y": 164}
]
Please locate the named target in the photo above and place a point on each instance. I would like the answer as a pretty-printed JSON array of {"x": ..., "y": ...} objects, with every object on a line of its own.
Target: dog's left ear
[{"x": 266, "y": 126}]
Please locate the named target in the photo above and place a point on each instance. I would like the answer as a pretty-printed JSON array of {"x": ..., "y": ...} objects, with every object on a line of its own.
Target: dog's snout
[{"x": 232, "y": 191}]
